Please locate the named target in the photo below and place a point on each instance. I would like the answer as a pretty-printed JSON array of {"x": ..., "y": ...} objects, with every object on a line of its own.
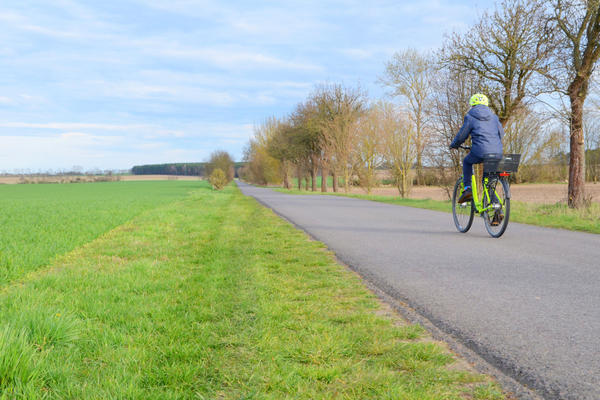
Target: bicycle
[{"x": 493, "y": 204}]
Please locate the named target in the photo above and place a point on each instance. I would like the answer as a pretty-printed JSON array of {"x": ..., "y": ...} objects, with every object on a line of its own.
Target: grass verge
[
  {"x": 213, "y": 297},
  {"x": 553, "y": 216}
]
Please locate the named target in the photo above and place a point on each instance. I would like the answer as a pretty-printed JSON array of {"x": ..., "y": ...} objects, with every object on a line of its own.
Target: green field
[
  {"x": 170, "y": 290},
  {"x": 41, "y": 221}
]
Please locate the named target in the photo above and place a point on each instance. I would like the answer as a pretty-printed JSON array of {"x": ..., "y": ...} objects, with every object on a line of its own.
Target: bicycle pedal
[{"x": 497, "y": 220}]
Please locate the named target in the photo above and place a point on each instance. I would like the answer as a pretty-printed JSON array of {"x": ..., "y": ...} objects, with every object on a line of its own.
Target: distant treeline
[{"x": 193, "y": 169}]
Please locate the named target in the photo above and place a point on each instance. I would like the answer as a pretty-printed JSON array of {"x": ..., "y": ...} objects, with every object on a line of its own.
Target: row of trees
[
  {"x": 534, "y": 59},
  {"x": 192, "y": 169},
  {"x": 336, "y": 132},
  {"x": 218, "y": 159}
]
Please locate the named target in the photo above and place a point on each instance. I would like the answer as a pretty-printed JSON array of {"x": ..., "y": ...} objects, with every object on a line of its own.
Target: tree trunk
[
  {"x": 313, "y": 172},
  {"x": 577, "y": 149},
  {"x": 346, "y": 180},
  {"x": 286, "y": 178},
  {"x": 286, "y": 181},
  {"x": 306, "y": 183},
  {"x": 419, "y": 168},
  {"x": 335, "y": 180},
  {"x": 419, "y": 142},
  {"x": 324, "y": 175}
]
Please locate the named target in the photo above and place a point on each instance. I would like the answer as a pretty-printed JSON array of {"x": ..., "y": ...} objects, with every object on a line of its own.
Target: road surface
[{"x": 528, "y": 303}]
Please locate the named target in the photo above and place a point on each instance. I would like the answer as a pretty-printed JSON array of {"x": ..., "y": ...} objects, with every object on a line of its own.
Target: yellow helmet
[{"x": 478, "y": 98}]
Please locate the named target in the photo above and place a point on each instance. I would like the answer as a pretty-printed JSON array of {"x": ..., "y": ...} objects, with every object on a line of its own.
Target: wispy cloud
[
  {"x": 70, "y": 126},
  {"x": 232, "y": 58}
]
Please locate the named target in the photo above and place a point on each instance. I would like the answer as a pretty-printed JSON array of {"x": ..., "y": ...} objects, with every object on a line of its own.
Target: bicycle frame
[{"x": 485, "y": 193}]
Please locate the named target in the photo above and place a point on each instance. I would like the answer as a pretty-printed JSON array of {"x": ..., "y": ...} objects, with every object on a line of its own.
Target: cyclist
[{"x": 486, "y": 139}]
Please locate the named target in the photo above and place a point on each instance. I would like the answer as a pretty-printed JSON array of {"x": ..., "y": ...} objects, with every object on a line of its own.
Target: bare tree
[
  {"x": 369, "y": 145},
  {"x": 339, "y": 107},
  {"x": 307, "y": 131},
  {"x": 508, "y": 50},
  {"x": 452, "y": 90},
  {"x": 523, "y": 135},
  {"x": 530, "y": 133},
  {"x": 260, "y": 167},
  {"x": 578, "y": 23},
  {"x": 281, "y": 147},
  {"x": 400, "y": 144},
  {"x": 591, "y": 126},
  {"x": 410, "y": 74}
]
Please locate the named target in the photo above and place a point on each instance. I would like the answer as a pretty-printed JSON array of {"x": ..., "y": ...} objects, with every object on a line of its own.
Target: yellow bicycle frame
[{"x": 479, "y": 202}]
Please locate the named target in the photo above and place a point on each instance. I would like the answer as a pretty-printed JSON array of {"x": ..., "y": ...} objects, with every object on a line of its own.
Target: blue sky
[{"x": 114, "y": 83}]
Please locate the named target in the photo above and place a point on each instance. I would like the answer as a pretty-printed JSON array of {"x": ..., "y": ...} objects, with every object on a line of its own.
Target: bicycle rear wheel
[
  {"x": 496, "y": 219},
  {"x": 462, "y": 213}
]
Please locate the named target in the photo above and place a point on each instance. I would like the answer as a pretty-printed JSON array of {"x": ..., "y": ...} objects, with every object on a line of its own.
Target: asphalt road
[{"x": 528, "y": 303}]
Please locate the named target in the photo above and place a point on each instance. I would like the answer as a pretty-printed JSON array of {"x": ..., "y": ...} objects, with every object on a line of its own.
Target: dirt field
[
  {"x": 13, "y": 179},
  {"x": 534, "y": 193},
  {"x": 159, "y": 178}
]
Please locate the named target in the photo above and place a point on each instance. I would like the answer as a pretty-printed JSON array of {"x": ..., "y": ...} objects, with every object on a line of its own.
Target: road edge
[{"x": 510, "y": 385}]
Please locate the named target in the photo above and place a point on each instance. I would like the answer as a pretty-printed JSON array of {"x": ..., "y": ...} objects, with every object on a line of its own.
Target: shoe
[
  {"x": 466, "y": 196},
  {"x": 497, "y": 220}
]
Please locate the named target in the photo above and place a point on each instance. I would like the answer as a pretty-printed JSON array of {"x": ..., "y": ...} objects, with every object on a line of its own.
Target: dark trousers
[{"x": 471, "y": 159}]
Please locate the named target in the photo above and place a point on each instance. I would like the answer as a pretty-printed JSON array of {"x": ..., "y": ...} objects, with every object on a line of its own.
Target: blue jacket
[{"x": 485, "y": 130}]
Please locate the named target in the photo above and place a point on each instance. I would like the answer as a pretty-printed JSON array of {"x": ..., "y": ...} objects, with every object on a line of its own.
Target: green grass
[
  {"x": 41, "y": 221},
  {"x": 557, "y": 216},
  {"x": 212, "y": 297},
  {"x": 552, "y": 216},
  {"x": 294, "y": 182}
]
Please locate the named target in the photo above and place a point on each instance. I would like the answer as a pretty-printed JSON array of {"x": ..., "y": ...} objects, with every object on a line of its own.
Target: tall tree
[
  {"x": 339, "y": 108},
  {"x": 508, "y": 49},
  {"x": 578, "y": 23},
  {"x": 369, "y": 145},
  {"x": 321, "y": 98},
  {"x": 307, "y": 134},
  {"x": 281, "y": 147},
  {"x": 410, "y": 74},
  {"x": 452, "y": 90},
  {"x": 399, "y": 139}
]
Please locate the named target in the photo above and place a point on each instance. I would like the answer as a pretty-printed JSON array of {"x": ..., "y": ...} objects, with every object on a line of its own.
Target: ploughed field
[
  {"x": 170, "y": 290},
  {"x": 542, "y": 193}
]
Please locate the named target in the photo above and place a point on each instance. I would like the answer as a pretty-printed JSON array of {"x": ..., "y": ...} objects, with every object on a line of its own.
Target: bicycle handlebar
[{"x": 463, "y": 147}]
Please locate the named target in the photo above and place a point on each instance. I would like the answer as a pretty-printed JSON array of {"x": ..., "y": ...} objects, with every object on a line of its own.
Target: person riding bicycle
[{"x": 486, "y": 133}]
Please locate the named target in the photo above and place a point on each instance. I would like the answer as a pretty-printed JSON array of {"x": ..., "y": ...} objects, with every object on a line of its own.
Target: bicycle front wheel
[
  {"x": 496, "y": 218},
  {"x": 461, "y": 212}
]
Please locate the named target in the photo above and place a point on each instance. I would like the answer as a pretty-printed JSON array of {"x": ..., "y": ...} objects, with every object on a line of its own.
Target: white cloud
[
  {"x": 140, "y": 90},
  {"x": 233, "y": 58},
  {"x": 56, "y": 151},
  {"x": 71, "y": 126},
  {"x": 66, "y": 29},
  {"x": 186, "y": 7},
  {"x": 361, "y": 54},
  {"x": 115, "y": 146}
]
